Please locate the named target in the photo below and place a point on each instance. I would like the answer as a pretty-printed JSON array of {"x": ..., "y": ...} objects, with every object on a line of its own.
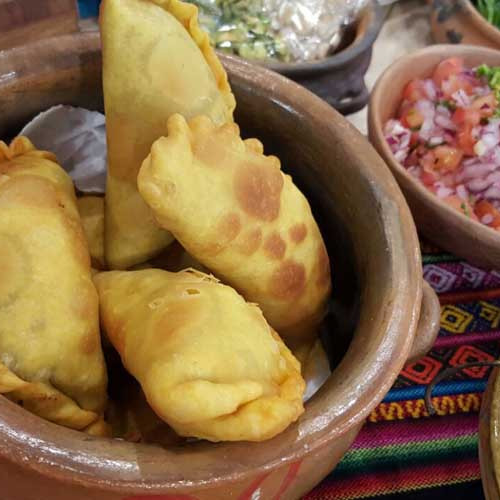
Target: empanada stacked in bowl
[{"x": 51, "y": 360}]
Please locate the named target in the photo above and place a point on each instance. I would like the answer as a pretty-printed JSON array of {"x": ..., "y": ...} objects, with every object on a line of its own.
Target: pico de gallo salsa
[{"x": 447, "y": 135}]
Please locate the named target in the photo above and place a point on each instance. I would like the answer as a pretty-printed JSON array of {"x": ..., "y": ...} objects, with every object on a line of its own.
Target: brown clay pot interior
[{"x": 373, "y": 317}]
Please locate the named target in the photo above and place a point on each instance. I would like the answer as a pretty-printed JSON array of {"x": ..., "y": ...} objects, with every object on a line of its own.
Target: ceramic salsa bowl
[
  {"x": 444, "y": 226},
  {"x": 370, "y": 332}
]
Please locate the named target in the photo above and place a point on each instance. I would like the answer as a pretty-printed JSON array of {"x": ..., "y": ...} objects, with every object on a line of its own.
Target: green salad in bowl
[
  {"x": 490, "y": 10},
  {"x": 242, "y": 27}
]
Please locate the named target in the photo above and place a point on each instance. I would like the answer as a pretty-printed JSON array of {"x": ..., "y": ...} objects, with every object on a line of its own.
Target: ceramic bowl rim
[{"x": 376, "y": 128}]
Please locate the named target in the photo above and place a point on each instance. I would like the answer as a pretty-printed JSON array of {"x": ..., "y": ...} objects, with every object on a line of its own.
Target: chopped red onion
[
  {"x": 477, "y": 185},
  {"x": 414, "y": 170},
  {"x": 401, "y": 155},
  {"x": 492, "y": 192},
  {"x": 436, "y": 141},
  {"x": 469, "y": 161},
  {"x": 474, "y": 171},
  {"x": 445, "y": 122},
  {"x": 430, "y": 89},
  {"x": 487, "y": 219},
  {"x": 444, "y": 192},
  {"x": 481, "y": 91},
  {"x": 461, "y": 98},
  {"x": 462, "y": 192},
  {"x": 427, "y": 129},
  {"x": 493, "y": 176}
]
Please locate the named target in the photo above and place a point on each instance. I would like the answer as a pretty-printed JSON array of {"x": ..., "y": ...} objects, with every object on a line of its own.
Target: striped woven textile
[{"x": 401, "y": 451}]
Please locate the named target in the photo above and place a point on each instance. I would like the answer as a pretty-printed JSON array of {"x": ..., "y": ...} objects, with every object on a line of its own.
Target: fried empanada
[
  {"x": 156, "y": 62},
  {"x": 51, "y": 359},
  {"x": 91, "y": 210},
  {"x": 208, "y": 362},
  {"x": 233, "y": 209}
]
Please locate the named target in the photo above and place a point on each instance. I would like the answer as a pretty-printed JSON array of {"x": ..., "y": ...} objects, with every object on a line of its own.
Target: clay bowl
[
  {"x": 489, "y": 434},
  {"x": 340, "y": 78},
  {"x": 441, "y": 224},
  {"x": 370, "y": 332},
  {"x": 458, "y": 21}
]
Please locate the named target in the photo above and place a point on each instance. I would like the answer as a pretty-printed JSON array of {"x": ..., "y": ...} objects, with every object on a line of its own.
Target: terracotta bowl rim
[
  {"x": 482, "y": 23},
  {"x": 376, "y": 130},
  {"x": 487, "y": 421},
  {"x": 393, "y": 347}
]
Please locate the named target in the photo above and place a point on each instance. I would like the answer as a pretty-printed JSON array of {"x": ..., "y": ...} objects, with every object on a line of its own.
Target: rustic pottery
[
  {"x": 444, "y": 226},
  {"x": 458, "y": 21},
  {"x": 489, "y": 437},
  {"x": 369, "y": 333},
  {"x": 340, "y": 78}
]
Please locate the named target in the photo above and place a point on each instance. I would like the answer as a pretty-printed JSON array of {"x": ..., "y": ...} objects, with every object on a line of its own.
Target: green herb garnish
[
  {"x": 492, "y": 75},
  {"x": 490, "y": 10},
  {"x": 447, "y": 104},
  {"x": 465, "y": 210},
  {"x": 241, "y": 27}
]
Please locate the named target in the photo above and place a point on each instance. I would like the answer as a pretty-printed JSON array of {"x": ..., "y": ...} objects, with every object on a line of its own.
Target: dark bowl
[{"x": 340, "y": 78}]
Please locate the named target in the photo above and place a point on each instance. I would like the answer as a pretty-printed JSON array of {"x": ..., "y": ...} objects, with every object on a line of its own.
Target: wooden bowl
[
  {"x": 489, "y": 437},
  {"x": 340, "y": 78},
  {"x": 458, "y": 21},
  {"x": 370, "y": 332},
  {"x": 444, "y": 226}
]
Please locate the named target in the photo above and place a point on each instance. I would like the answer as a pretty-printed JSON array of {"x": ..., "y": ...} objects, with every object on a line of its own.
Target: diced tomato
[
  {"x": 470, "y": 116},
  {"x": 428, "y": 178},
  {"x": 414, "y": 139},
  {"x": 412, "y": 118},
  {"x": 483, "y": 208},
  {"x": 427, "y": 161},
  {"x": 414, "y": 91},
  {"x": 447, "y": 68},
  {"x": 466, "y": 140},
  {"x": 448, "y": 180},
  {"x": 455, "y": 83},
  {"x": 462, "y": 206},
  {"x": 446, "y": 158},
  {"x": 485, "y": 105}
]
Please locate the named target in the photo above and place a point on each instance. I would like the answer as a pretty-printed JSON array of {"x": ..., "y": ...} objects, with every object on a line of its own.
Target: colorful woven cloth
[{"x": 401, "y": 451}]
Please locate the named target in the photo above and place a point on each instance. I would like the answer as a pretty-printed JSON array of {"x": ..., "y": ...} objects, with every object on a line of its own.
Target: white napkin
[{"x": 78, "y": 138}]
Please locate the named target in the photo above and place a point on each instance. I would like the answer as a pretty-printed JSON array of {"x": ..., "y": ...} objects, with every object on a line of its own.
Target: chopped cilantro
[
  {"x": 490, "y": 10},
  {"x": 465, "y": 210},
  {"x": 447, "y": 104},
  {"x": 492, "y": 74}
]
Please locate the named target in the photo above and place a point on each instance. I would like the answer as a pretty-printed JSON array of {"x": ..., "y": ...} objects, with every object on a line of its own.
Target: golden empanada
[
  {"x": 156, "y": 62},
  {"x": 208, "y": 362},
  {"x": 233, "y": 209},
  {"x": 91, "y": 210},
  {"x": 51, "y": 360}
]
